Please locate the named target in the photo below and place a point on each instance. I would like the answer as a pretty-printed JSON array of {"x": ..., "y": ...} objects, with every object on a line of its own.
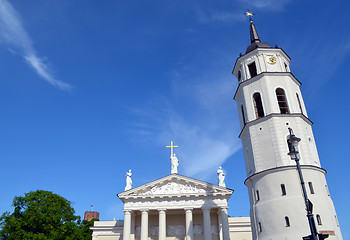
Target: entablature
[{"x": 179, "y": 203}]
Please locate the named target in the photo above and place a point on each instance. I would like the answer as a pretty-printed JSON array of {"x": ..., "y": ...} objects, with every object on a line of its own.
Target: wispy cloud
[
  {"x": 275, "y": 5},
  {"x": 198, "y": 116},
  {"x": 13, "y": 33},
  {"x": 219, "y": 16}
]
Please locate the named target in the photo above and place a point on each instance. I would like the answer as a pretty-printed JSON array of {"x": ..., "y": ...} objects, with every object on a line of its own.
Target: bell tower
[{"x": 269, "y": 102}]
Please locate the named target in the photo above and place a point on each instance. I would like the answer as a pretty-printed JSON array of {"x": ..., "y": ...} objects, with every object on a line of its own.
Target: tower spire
[{"x": 254, "y": 37}]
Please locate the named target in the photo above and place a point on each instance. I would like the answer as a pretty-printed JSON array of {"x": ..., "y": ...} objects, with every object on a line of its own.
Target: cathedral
[{"x": 288, "y": 192}]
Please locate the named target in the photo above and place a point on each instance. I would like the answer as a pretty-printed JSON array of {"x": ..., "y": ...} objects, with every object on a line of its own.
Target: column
[
  {"x": 225, "y": 226},
  {"x": 189, "y": 224},
  {"x": 127, "y": 224},
  {"x": 206, "y": 223},
  {"x": 144, "y": 224},
  {"x": 132, "y": 231},
  {"x": 220, "y": 224},
  {"x": 162, "y": 224}
]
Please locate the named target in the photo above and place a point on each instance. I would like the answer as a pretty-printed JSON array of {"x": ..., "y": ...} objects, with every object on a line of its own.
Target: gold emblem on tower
[{"x": 271, "y": 59}]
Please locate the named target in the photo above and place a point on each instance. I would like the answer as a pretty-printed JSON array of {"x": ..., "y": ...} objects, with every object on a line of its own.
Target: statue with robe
[
  {"x": 174, "y": 163},
  {"x": 221, "y": 177},
  {"x": 128, "y": 180}
]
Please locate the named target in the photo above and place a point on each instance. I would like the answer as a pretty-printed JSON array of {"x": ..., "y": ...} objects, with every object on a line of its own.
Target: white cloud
[
  {"x": 266, "y": 4},
  {"x": 13, "y": 33},
  {"x": 202, "y": 150},
  {"x": 198, "y": 116},
  {"x": 219, "y": 16}
]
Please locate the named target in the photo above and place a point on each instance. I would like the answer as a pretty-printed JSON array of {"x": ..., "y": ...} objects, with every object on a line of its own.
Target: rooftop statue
[
  {"x": 221, "y": 177},
  {"x": 173, "y": 159},
  {"x": 174, "y": 163},
  {"x": 128, "y": 180}
]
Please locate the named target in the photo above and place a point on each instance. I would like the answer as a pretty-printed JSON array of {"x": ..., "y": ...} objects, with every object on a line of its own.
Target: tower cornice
[
  {"x": 269, "y": 116},
  {"x": 282, "y": 168},
  {"x": 263, "y": 74},
  {"x": 254, "y": 52}
]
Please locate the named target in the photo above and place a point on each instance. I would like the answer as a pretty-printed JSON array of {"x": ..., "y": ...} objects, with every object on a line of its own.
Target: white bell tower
[{"x": 269, "y": 102}]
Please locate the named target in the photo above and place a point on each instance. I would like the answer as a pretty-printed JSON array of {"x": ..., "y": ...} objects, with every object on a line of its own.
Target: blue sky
[{"x": 91, "y": 89}]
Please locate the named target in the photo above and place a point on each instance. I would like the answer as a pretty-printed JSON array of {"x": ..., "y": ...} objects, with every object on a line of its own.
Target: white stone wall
[{"x": 272, "y": 207}]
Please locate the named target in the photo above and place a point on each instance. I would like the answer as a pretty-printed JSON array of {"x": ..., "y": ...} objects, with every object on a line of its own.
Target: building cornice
[
  {"x": 284, "y": 168},
  {"x": 263, "y": 74},
  {"x": 271, "y": 115},
  {"x": 254, "y": 52}
]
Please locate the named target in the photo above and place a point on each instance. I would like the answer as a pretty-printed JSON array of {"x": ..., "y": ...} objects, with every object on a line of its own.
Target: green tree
[
  {"x": 42, "y": 215},
  {"x": 86, "y": 228}
]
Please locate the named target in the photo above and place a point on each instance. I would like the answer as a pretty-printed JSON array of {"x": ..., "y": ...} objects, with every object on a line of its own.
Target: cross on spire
[
  {"x": 172, "y": 148},
  {"x": 249, "y": 14}
]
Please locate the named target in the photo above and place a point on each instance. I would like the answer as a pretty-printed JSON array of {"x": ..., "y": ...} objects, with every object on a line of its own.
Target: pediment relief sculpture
[{"x": 174, "y": 188}]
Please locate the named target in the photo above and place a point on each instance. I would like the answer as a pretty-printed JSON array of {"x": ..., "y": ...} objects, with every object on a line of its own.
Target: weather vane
[{"x": 249, "y": 14}]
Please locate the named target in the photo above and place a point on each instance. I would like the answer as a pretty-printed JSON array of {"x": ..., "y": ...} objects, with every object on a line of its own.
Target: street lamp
[{"x": 293, "y": 143}]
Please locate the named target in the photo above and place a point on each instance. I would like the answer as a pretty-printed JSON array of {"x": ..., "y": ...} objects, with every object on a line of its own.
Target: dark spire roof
[
  {"x": 255, "y": 40},
  {"x": 254, "y": 37}
]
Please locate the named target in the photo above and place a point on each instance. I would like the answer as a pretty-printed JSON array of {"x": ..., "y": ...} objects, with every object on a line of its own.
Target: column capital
[
  {"x": 188, "y": 209},
  {"x": 161, "y": 210},
  {"x": 224, "y": 208},
  {"x": 204, "y": 208},
  {"x": 144, "y": 210},
  {"x": 127, "y": 211}
]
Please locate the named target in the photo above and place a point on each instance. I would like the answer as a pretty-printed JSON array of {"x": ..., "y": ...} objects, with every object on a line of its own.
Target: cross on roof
[{"x": 172, "y": 148}]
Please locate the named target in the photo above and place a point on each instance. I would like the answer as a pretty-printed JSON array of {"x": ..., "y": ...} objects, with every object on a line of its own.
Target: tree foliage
[{"x": 42, "y": 215}]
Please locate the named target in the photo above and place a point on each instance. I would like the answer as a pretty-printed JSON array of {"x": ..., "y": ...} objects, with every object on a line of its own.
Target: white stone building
[
  {"x": 269, "y": 102},
  {"x": 175, "y": 207}
]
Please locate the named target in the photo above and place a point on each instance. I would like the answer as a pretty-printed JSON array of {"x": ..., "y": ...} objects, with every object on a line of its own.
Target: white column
[
  {"x": 206, "y": 223},
  {"x": 132, "y": 231},
  {"x": 220, "y": 224},
  {"x": 144, "y": 224},
  {"x": 189, "y": 224},
  {"x": 162, "y": 224},
  {"x": 127, "y": 224},
  {"x": 225, "y": 226}
]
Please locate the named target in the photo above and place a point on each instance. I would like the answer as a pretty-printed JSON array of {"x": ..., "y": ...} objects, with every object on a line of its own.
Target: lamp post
[{"x": 293, "y": 143}]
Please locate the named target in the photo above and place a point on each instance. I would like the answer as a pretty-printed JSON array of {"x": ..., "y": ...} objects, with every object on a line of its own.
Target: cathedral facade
[{"x": 175, "y": 207}]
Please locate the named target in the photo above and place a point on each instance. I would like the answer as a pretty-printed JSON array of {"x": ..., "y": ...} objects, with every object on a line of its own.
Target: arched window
[
  {"x": 243, "y": 117},
  {"x": 283, "y": 189},
  {"x": 318, "y": 218},
  {"x": 287, "y": 221},
  {"x": 260, "y": 228},
  {"x": 282, "y": 100},
  {"x": 311, "y": 188},
  {"x": 257, "y": 195},
  {"x": 252, "y": 69},
  {"x": 301, "y": 109},
  {"x": 258, "y": 107},
  {"x": 239, "y": 75}
]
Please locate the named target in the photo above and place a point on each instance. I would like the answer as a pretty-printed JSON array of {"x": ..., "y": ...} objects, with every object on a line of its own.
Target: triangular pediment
[{"x": 175, "y": 185}]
